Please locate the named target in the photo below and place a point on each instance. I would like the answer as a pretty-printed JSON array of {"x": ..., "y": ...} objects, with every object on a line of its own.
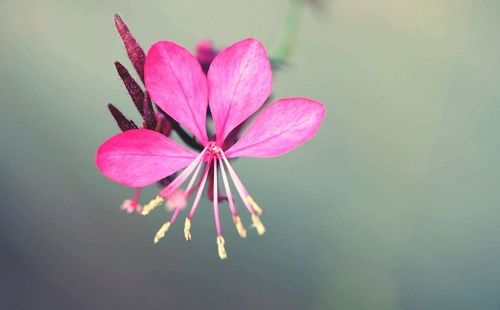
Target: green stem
[{"x": 290, "y": 33}]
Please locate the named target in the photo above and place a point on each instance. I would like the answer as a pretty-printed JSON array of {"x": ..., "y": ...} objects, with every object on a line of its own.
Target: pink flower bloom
[{"x": 236, "y": 86}]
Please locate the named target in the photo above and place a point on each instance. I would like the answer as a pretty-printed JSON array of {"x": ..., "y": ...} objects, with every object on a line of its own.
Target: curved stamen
[
  {"x": 187, "y": 224},
  {"x": 200, "y": 190},
  {"x": 247, "y": 200},
  {"x": 216, "y": 200},
  {"x": 237, "y": 221},
  {"x": 237, "y": 183},
  {"x": 220, "y": 240},
  {"x": 174, "y": 185},
  {"x": 181, "y": 178},
  {"x": 163, "y": 230},
  {"x": 193, "y": 178}
]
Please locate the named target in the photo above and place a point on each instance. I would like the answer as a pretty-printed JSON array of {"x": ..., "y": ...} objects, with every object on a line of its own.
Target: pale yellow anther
[
  {"x": 258, "y": 225},
  {"x": 239, "y": 227},
  {"x": 220, "y": 248},
  {"x": 161, "y": 232},
  {"x": 255, "y": 206},
  {"x": 187, "y": 229},
  {"x": 151, "y": 205}
]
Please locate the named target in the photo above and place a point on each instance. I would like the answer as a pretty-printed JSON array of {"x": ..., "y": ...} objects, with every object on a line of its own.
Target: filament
[
  {"x": 200, "y": 190},
  {"x": 181, "y": 178},
  {"x": 216, "y": 200}
]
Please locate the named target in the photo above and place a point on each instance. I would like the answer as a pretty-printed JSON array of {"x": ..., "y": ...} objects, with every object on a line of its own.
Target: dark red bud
[
  {"x": 134, "y": 90},
  {"x": 134, "y": 50},
  {"x": 124, "y": 123},
  {"x": 149, "y": 113}
]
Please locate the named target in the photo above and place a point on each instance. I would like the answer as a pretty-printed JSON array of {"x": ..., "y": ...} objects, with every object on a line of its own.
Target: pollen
[
  {"x": 187, "y": 229},
  {"x": 239, "y": 227},
  {"x": 161, "y": 232},
  {"x": 255, "y": 206},
  {"x": 258, "y": 225},
  {"x": 220, "y": 247},
  {"x": 151, "y": 205}
]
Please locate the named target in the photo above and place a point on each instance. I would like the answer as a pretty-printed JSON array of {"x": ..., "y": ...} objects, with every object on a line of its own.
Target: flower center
[
  {"x": 212, "y": 157},
  {"x": 213, "y": 150}
]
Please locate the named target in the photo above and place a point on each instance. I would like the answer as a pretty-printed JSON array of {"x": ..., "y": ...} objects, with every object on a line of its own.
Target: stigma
[{"x": 132, "y": 205}]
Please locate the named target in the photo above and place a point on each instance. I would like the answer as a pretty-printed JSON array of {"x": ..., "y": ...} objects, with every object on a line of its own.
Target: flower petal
[
  {"x": 141, "y": 157},
  {"x": 281, "y": 127},
  {"x": 177, "y": 84},
  {"x": 239, "y": 81}
]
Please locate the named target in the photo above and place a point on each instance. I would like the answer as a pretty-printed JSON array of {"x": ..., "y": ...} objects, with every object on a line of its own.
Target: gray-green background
[{"x": 394, "y": 205}]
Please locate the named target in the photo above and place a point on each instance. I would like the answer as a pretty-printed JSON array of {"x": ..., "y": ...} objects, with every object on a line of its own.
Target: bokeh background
[{"x": 394, "y": 205}]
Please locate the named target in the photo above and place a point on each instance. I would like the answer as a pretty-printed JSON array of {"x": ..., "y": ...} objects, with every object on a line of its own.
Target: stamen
[
  {"x": 239, "y": 227},
  {"x": 220, "y": 240},
  {"x": 151, "y": 205},
  {"x": 254, "y": 205},
  {"x": 195, "y": 175},
  {"x": 187, "y": 229},
  {"x": 178, "y": 199},
  {"x": 239, "y": 186},
  {"x": 161, "y": 232},
  {"x": 181, "y": 178},
  {"x": 258, "y": 225},
  {"x": 187, "y": 224},
  {"x": 220, "y": 247},
  {"x": 216, "y": 200},
  {"x": 237, "y": 221}
]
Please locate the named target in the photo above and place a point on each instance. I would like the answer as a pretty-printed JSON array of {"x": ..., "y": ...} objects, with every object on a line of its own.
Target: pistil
[{"x": 131, "y": 205}]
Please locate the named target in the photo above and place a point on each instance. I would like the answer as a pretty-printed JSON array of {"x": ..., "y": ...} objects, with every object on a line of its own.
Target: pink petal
[
  {"x": 239, "y": 81},
  {"x": 177, "y": 84},
  {"x": 141, "y": 157},
  {"x": 281, "y": 127}
]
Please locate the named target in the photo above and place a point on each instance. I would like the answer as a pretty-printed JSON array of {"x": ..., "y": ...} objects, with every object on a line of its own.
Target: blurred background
[{"x": 394, "y": 205}]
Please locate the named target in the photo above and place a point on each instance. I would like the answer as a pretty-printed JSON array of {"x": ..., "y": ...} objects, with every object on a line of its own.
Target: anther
[
  {"x": 239, "y": 227},
  {"x": 151, "y": 205},
  {"x": 254, "y": 205},
  {"x": 220, "y": 247},
  {"x": 187, "y": 229},
  {"x": 258, "y": 225},
  {"x": 161, "y": 232}
]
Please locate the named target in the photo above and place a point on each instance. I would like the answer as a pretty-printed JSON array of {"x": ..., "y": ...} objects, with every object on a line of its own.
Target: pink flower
[{"x": 236, "y": 86}]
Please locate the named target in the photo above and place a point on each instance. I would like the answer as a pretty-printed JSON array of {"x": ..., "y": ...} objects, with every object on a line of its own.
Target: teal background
[{"x": 394, "y": 205}]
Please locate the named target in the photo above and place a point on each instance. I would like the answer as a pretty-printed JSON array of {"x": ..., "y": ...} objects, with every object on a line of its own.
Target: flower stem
[{"x": 289, "y": 34}]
